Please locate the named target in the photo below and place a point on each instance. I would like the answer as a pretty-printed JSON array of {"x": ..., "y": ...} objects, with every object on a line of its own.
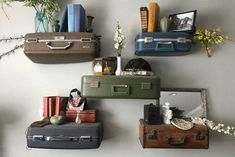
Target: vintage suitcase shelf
[
  {"x": 163, "y": 44},
  {"x": 130, "y": 87},
  {"x": 66, "y": 136},
  {"x": 61, "y": 47},
  {"x": 168, "y": 136}
]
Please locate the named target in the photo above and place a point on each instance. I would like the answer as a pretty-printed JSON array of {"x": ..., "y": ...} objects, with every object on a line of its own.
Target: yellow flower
[{"x": 208, "y": 37}]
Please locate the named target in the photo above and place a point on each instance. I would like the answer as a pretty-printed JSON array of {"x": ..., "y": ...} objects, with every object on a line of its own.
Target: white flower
[
  {"x": 228, "y": 130},
  {"x": 119, "y": 40}
]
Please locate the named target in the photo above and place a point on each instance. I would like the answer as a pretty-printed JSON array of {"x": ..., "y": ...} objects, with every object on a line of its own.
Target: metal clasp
[
  {"x": 181, "y": 40},
  {"x": 86, "y": 40},
  {"x": 148, "y": 39}
]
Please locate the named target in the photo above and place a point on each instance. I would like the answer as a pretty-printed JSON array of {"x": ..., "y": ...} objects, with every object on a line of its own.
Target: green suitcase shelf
[{"x": 130, "y": 87}]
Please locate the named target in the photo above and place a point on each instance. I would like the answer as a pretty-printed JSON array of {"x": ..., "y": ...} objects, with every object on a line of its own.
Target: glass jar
[{"x": 41, "y": 22}]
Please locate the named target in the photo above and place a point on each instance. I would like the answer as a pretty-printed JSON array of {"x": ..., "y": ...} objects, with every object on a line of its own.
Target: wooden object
[
  {"x": 88, "y": 116},
  {"x": 168, "y": 136}
]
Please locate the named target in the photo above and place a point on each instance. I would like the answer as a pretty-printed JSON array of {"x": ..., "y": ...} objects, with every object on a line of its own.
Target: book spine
[
  {"x": 51, "y": 104},
  {"x": 71, "y": 16},
  {"x": 80, "y": 17},
  {"x": 153, "y": 17},
  {"x": 58, "y": 105},
  {"x": 64, "y": 21},
  {"x": 144, "y": 19},
  {"x": 45, "y": 107}
]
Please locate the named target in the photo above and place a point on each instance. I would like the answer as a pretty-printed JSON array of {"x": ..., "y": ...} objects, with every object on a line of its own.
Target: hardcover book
[
  {"x": 64, "y": 21},
  {"x": 76, "y": 18},
  {"x": 154, "y": 11},
  {"x": 144, "y": 19},
  {"x": 61, "y": 104}
]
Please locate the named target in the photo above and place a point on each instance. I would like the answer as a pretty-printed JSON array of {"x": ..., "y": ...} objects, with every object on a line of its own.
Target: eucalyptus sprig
[
  {"x": 209, "y": 37},
  {"x": 49, "y": 7}
]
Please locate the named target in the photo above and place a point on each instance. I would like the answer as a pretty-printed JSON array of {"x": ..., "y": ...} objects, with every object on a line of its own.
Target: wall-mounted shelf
[
  {"x": 61, "y": 47},
  {"x": 163, "y": 44}
]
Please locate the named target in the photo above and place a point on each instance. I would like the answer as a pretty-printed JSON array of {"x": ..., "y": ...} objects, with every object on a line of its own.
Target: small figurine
[
  {"x": 56, "y": 26},
  {"x": 167, "y": 113}
]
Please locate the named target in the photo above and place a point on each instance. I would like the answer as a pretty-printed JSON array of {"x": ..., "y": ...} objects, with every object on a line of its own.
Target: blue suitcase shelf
[{"x": 163, "y": 44}]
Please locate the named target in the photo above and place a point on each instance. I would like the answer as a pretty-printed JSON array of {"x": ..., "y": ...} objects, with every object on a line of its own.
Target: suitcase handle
[
  {"x": 124, "y": 92},
  {"x": 58, "y": 48},
  {"x": 169, "y": 44},
  {"x": 175, "y": 141},
  {"x": 59, "y": 139}
]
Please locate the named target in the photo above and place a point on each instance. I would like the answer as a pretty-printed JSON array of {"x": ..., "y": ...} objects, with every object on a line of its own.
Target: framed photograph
[{"x": 183, "y": 22}]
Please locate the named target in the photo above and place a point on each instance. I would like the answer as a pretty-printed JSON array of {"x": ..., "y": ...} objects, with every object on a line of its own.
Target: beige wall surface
[{"x": 24, "y": 83}]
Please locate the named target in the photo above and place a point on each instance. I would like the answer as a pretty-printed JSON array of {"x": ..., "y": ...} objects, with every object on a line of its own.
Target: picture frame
[{"x": 183, "y": 22}]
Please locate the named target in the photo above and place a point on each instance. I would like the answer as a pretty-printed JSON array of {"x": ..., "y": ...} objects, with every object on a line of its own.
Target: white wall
[{"x": 23, "y": 83}]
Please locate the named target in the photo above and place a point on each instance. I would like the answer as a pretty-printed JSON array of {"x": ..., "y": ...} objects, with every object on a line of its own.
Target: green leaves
[{"x": 49, "y": 7}]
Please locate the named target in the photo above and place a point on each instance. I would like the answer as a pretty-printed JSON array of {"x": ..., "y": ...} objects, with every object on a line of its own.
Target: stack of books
[
  {"x": 53, "y": 105},
  {"x": 150, "y": 17},
  {"x": 74, "y": 19}
]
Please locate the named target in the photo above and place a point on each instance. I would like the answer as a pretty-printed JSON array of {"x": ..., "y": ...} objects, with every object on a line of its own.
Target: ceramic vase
[
  {"x": 164, "y": 24},
  {"x": 119, "y": 68}
]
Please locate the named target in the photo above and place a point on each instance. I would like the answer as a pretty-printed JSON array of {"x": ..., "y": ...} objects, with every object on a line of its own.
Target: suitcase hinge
[
  {"x": 146, "y": 85},
  {"x": 94, "y": 84}
]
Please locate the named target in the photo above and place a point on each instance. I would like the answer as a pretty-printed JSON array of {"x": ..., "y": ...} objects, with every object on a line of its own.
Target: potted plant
[{"x": 46, "y": 10}]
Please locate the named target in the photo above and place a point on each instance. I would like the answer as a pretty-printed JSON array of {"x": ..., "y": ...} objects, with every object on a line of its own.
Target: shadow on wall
[
  {"x": 7, "y": 117},
  {"x": 110, "y": 129}
]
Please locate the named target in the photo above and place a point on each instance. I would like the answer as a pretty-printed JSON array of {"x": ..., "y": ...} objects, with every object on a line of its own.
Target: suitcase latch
[
  {"x": 31, "y": 40},
  {"x": 181, "y": 40},
  {"x": 152, "y": 135},
  {"x": 94, "y": 84},
  {"x": 85, "y": 138},
  {"x": 145, "y": 85},
  {"x": 87, "y": 40},
  {"x": 38, "y": 138},
  {"x": 59, "y": 38},
  {"x": 199, "y": 136},
  {"x": 148, "y": 39}
]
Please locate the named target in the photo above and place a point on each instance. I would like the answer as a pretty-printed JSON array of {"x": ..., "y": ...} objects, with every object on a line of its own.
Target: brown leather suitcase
[
  {"x": 61, "y": 47},
  {"x": 168, "y": 136}
]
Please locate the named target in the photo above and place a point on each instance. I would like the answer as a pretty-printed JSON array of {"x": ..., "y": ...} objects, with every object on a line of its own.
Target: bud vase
[
  {"x": 41, "y": 22},
  {"x": 119, "y": 68}
]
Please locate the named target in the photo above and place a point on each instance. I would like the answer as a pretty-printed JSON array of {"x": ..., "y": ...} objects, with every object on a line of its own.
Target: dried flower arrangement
[
  {"x": 119, "y": 40},
  {"x": 228, "y": 130},
  {"x": 208, "y": 37}
]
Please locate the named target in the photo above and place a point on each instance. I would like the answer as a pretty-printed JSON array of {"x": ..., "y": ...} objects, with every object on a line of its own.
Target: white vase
[{"x": 119, "y": 68}]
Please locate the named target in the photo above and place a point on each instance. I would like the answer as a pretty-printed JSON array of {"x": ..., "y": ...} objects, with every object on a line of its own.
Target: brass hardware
[{"x": 94, "y": 84}]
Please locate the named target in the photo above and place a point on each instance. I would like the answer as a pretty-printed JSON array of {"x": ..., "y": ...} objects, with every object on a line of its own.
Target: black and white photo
[{"x": 184, "y": 21}]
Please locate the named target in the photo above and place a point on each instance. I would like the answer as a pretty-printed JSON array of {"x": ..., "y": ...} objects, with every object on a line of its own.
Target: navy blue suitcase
[
  {"x": 66, "y": 136},
  {"x": 163, "y": 44}
]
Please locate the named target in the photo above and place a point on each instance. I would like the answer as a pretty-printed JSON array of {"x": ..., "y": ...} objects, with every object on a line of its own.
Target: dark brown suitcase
[
  {"x": 61, "y": 47},
  {"x": 168, "y": 136}
]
